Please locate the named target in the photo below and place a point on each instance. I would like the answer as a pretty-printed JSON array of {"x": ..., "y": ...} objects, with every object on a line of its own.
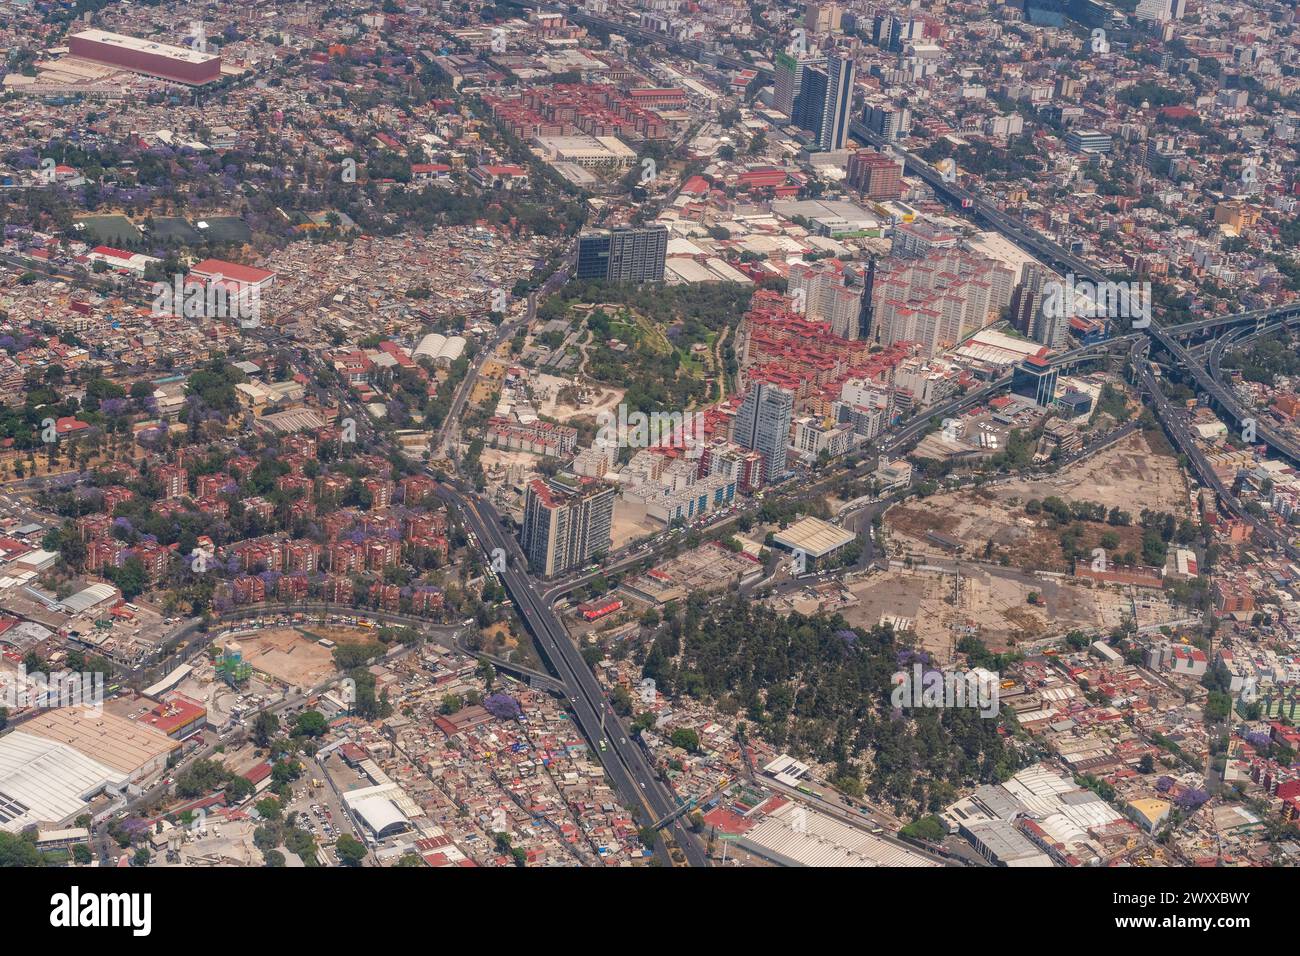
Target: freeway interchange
[{"x": 1244, "y": 327}]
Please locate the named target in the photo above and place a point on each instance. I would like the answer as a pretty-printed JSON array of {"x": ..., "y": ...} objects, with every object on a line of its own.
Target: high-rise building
[
  {"x": 883, "y": 27},
  {"x": 825, "y": 102},
  {"x": 567, "y": 522},
  {"x": 763, "y": 424},
  {"x": 808, "y": 106},
  {"x": 837, "y": 109},
  {"x": 788, "y": 80},
  {"x": 1027, "y": 299},
  {"x": 625, "y": 254},
  {"x": 822, "y": 17},
  {"x": 875, "y": 175},
  {"x": 1160, "y": 11},
  {"x": 1045, "y": 13},
  {"x": 826, "y": 297},
  {"x": 886, "y": 121},
  {"x": 1051, "y": 326},
  {"x": 868, "y": 278},
  {"x": 938, "y": 299}
]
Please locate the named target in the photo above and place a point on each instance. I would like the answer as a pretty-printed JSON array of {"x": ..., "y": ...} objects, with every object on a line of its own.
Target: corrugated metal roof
[{"x": 44, "y": 781}]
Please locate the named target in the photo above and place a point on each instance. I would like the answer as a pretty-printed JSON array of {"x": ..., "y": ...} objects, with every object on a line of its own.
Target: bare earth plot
[
  {"x": 994, "y": 606},
  {"x": 1130, "y": 476},
  {"x": 293, "y": 657},
  {"x": 549, "y": 404}
]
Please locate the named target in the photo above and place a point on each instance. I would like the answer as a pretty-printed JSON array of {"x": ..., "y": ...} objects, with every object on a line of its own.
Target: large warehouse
[
  {"x": 440, "y": 349},
  {"x": 54, "y": 764},
  {"x": 816, "y": 540},
  {"x": 44, "y": 781},
  {"x": 125, "y": 746},
  {"x": 146, "y": 56}
]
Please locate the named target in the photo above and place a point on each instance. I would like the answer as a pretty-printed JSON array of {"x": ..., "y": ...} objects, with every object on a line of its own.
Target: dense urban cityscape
[{"x": 650, "y": 434}]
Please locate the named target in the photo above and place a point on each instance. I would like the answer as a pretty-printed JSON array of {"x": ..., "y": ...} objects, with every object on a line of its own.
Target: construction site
[
  {"x": 942, "y": 602},
  {"x": 292, "y": 656}
]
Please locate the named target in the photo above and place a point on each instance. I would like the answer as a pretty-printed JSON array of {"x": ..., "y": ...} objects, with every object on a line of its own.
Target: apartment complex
[
  {"x": 763, "y": 424},
  {"x": 826, "y": 297},
  {"x": 875, "y": 175},
  {"x": 940, "y": 299},
  {"x": 567, "y": 522}
]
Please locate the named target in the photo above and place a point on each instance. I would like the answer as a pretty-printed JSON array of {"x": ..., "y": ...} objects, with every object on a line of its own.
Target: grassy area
[{"x": 110, "y": 230}]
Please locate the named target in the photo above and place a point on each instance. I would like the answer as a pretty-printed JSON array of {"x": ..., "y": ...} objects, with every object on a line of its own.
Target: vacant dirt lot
[
  {"x": 994, "y": 606},
  {"x": 991, "y": 522},
  {"x": 294, "y": 657},
  {"x": 1132, "y": 475}
]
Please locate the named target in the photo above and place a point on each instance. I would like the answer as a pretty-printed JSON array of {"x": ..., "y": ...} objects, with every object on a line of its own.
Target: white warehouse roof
[
  {"x": 44, "y": 781},
  {"x": 380, "y": 815},
  {"x": 430, "y": 346},
  {"x": 452, "y": 349}
]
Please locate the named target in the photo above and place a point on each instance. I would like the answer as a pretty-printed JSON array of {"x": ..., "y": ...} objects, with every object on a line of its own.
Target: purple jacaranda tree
[{"x": 503, "y": 707}]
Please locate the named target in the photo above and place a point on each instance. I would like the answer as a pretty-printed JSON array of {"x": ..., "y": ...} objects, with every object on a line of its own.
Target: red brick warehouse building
[{"x": 162, "y": 60}]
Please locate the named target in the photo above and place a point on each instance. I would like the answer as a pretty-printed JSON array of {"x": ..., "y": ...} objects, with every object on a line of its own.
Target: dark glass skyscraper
[
  {"x": 811, "y": 101},
  {"x": 625, "y": 254},
  {"x": 825, "y": 101},
  {"x": 838, "y": 106}
]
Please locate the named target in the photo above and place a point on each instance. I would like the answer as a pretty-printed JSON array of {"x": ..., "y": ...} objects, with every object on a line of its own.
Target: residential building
[
  {"x": 763, "y": 424},
  {"x": 567, "y": 522}
]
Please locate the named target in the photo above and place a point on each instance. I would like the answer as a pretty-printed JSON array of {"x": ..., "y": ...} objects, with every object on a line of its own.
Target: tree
[
  {"x": 927, "y": 828},
  {"x": 265, "y": 727},
  {"x": 285, "y": 772},
  {"x": 239, "y": 789},
  {"x": 686, "y": 738},
  {"x": 16, "y": 850},
  {"x": 311, "y": 723},
  {"x": 351, "y": 851}
]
